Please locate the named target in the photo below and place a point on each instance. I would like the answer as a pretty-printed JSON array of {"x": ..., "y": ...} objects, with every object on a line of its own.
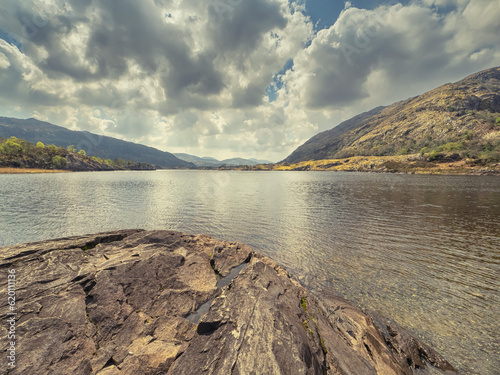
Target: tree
[
  {"x": 82, "y": 152},
  {"x": 71, "y": 148},
  {"x": 53, "y": 148},
  {"x": 59, "y": 162},
  {"x": 12, "y": 146},
  {"x": 40, "y": 145}
]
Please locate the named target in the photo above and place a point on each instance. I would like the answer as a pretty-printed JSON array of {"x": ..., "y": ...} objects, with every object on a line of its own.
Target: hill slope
[
  {"x": 33, "y": 130},
  {"x": 463, "y": 117},
  {"x": 211, "y": 162}
]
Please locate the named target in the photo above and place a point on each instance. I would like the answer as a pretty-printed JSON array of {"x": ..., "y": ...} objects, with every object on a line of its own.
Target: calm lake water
[{"x": 422, "y": 250}]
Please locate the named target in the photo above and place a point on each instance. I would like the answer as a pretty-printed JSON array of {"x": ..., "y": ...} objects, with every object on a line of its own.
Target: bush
[
  {"x": 40, "y": 145},
  {"x": 404, "y": 151},
  {"x": 12, "y": 146},
  {"x": 424, "y": 150},
  {"x": 451, "y": 146},
  {"x": 435, "y": 155},
  {"x": 59, "y": 162},
  {"x": 71, "y": 148},
  {"x": 82, "y": 152},
  {"x": 469, "y": 135}
]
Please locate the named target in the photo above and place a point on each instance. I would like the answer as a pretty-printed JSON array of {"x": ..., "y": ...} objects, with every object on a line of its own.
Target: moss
[
  {"x": 323, "y": 346},
  {"x": 304, "y": 324},
  {"x": 303, "y": 303}
]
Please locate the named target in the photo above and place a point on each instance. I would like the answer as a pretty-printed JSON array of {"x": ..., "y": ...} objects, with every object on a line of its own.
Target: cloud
[{"x": 191, "y": 76}]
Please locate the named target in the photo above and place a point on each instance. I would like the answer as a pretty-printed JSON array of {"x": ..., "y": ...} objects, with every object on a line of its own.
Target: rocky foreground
[{"x": 129, "y": 302}]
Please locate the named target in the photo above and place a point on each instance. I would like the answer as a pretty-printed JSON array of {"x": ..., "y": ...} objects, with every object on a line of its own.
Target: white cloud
[{"x": 4, "y": 61}]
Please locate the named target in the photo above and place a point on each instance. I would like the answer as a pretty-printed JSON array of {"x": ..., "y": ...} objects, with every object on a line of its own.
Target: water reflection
[{"x": 423, "y": 250}]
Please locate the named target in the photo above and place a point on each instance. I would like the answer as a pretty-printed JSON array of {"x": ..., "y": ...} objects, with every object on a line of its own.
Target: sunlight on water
[{"x": 422, "y": 250}]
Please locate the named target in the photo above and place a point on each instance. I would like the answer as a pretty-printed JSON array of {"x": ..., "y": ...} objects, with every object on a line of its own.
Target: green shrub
[
  {"x": 71, "y": 148},
  {"x": 40, "y": 145},
  {"x": 424, "y": 150},
  {"x": 469, "y": 135},
  {"x": 59, "y": 162},
  {"x": 434, "y": 155},
  {"x": 12, "y": 146},
  {"x": 82, "y": 152},
  {"x": 451, "y": 146},
  {"x": 404, "y": 151}
]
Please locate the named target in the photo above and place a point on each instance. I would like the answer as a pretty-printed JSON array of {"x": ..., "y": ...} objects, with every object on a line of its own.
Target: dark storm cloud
[
  {"x": 125, "y": 30},
  {"x": 251, "y": 96},
  {"x": 240, "y": 29}
]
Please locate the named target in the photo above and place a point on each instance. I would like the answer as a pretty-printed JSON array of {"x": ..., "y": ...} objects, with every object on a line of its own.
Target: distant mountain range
[
  {"x": 461, "y": 117},
  {"x": 211, "y": 162},
  {"x": 33, "y": 130}
]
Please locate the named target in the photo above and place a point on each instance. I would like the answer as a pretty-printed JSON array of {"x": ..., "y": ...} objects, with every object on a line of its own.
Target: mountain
[
  {"x": 33, "y": 130},
  {"x": 461, "y": 117},
  {"x": 212, "y": 162}
]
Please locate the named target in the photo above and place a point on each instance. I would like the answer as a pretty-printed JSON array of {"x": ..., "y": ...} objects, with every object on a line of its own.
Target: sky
[{"x": 232, "y": 78}]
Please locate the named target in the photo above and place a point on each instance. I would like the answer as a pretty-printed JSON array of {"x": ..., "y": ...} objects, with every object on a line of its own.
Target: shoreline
[
  {"x": 398, "y": 164},
  {"x": 10, "y": 170},
  {"x": 365, "y": 164}
]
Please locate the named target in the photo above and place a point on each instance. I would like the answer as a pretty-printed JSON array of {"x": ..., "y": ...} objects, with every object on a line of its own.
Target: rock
[
  {"x": 79, "y": 163},
  {"x": 119, "y": 303},
  {"x": 266, "y": 323}
]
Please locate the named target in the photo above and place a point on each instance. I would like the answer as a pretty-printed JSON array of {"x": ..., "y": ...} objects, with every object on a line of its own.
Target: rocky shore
[{"x": 136, "y": 302}]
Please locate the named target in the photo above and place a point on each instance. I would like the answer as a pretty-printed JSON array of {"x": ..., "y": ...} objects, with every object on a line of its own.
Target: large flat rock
[{"x": 128, "y": 302}]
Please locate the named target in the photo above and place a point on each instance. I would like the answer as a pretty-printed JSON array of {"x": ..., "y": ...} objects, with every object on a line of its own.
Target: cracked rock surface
[{"x": 117, "y": 303}]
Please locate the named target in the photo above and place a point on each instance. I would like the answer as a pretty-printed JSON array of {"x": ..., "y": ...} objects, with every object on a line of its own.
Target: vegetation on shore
[
  {"x": 20, "y": 154},
  {"x": 426, "y": 163},
  {"x": 415, "y": 164}
]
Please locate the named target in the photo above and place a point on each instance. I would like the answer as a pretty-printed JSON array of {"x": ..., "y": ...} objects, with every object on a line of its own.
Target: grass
[
  {"x": 414, "y": 163},
  {"x": 303, "y": 303},
  {"x": 9, "y": 170}
]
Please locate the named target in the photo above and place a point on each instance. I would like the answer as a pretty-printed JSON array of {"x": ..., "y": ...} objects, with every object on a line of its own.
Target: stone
[{"x": 119, "y": 303}]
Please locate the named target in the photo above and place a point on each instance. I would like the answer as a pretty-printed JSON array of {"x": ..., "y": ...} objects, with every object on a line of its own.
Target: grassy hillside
[
  {"x": 461, "y": 118},
  {"x": 18, "y": 153},
  {"x": 33, "y": 130}
]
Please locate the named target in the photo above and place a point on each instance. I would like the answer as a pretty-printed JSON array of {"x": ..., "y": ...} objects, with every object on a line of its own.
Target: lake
[{"x": 421, "y": 250}]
